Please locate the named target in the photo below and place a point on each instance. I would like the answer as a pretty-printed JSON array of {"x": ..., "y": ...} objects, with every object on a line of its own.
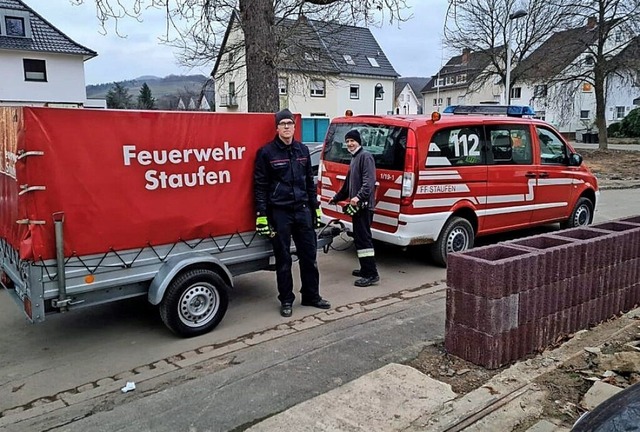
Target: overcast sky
[{"x": 413, "y": 47}]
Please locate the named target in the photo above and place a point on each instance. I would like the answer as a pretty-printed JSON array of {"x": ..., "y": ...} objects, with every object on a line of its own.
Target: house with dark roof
[
  {"x": 462, "y": 81},
  {"x": 39, "y": 64},
  {"x": 408, "y": 96},
  {"x": 555, "y": 79},
  {"x": 329, "y": 68}
]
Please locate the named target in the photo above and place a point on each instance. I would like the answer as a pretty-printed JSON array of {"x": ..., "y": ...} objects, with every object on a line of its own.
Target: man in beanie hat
[
  {"x": 359, "y": 188},
  {"x": 287, "y": 206}
]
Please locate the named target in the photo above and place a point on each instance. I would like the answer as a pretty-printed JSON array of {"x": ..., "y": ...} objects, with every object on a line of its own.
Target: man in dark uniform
[
  {"x": 287, "y": 206},
  {"x": 359, "y": 187}
]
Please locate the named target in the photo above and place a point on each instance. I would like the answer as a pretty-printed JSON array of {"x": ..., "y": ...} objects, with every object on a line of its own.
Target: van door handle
[
  {"x": 544, "y": 175},
  {"x": 530, "y": 174}
]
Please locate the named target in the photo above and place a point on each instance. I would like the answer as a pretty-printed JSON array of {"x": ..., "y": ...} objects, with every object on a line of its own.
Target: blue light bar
[{"x": 508, "y": 110}]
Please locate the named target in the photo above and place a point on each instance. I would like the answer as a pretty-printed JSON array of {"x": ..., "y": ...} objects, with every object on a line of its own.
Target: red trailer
[{"x": 157, "y": 204}]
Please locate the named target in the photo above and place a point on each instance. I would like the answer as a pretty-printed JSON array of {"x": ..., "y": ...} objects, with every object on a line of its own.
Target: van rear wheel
[
  {"x": 195, "y": 302},
  {"x": 457, "y": 235}
]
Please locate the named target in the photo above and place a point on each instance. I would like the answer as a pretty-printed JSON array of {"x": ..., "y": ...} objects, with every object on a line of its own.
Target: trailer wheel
[
  {"x": 457, "y": 235},
  {"x": 582, "y": 214},
  {"x": 195, "y": 302}
]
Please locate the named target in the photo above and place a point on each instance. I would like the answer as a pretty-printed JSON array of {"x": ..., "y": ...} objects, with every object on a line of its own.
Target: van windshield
[{"x": 387, "y": 144}]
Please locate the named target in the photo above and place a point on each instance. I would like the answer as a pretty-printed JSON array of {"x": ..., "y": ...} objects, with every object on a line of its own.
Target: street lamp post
[
  {"x": 507, "y": 86},
  {"x": 378, "y": 91}
]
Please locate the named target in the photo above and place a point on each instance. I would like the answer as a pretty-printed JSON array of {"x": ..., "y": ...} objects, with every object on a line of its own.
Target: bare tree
[
  {"x": 200, "y": 25},
  {"x": 484, "y": 25}
]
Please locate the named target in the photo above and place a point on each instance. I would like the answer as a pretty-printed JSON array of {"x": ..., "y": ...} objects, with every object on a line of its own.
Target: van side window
[
  {"x": 387, "y": 144},
  {"x": 552, "y": 149},
  {"x": 509, "y": 145},
  {"x": 456, "y": 146}
]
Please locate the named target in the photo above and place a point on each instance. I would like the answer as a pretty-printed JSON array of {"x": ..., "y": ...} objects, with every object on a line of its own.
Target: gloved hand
[
  {"x": 262, "y": 227},
  {"x": 318, "y": 218},
  {"x": 350, "y": 209},
  {"x": 333, "y": 201}
]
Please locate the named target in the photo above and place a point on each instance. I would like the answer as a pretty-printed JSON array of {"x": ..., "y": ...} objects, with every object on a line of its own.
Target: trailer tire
[
  {"x": 582, "y": 214},
  {"x": 457, "y": 235},
  {"x": 195, "y": 302}
]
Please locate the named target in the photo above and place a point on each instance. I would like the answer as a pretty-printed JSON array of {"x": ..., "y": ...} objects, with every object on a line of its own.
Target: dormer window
[
  {"x": 348, "y": 59},
  {"x": 14, "y": 23}
]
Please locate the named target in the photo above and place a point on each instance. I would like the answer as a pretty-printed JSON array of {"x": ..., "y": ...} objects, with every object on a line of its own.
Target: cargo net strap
[
  {"x": 77, "y": 261},
  {"x": 11, "y": 258}
]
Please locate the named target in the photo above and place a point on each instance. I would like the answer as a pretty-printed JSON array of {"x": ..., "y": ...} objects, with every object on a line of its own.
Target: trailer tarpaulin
[{"x": 128, "y": 179}]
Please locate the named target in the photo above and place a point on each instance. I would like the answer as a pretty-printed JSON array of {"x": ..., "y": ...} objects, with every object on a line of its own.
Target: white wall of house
[
  {"x": 621, "y": 91},
  {"x": 461, "y": 96},
  {"x": 65, "y": 82},
  {"x": 407, "y": 102},
  {"x": 234, "y": 80}
]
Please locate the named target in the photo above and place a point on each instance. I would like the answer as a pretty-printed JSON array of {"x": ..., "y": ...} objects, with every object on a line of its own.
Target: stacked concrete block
[{"x": 516, "y": 298}]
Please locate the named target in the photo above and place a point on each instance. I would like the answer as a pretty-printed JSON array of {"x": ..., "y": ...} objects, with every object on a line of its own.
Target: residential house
[
  {"x": 408, "y": 95},
  {"x": 39, "y": 64},
  {"x": 548, "y": 80},
  {"x": 460, "y": 81},
  {"x": 623, "y": 88},
  {"x": 329, "y": 68}
]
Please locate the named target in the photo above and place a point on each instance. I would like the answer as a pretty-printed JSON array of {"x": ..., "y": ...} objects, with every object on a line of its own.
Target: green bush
[
  {"x": 630, "y": 125},
  {"x": 613, "y": 129}
]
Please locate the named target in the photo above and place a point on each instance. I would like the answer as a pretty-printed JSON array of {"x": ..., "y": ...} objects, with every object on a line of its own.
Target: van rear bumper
[{"x": 412, "y": 229}]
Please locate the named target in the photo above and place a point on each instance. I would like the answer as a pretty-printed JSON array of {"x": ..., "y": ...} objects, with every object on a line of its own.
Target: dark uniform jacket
[
  {"x": 361, "y": 180},
  {"x": 283, "y": 177}
]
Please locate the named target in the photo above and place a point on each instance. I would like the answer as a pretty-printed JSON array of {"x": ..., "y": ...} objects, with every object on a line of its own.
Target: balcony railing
[{"x": 229, "y": 101}]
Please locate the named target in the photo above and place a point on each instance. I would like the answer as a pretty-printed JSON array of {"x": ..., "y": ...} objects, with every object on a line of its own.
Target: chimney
[
  {"x": 465, "y": 55},
  {"x": 591, "y": 22}
]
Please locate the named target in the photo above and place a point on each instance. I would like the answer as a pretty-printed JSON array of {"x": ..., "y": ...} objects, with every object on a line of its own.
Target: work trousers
[
  {"x": 298, "y": 224},
  {"x": 364, "y": 242}
]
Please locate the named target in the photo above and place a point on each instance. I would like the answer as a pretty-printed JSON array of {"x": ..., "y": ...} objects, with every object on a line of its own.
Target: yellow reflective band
[{"x": 363, "y": 253}]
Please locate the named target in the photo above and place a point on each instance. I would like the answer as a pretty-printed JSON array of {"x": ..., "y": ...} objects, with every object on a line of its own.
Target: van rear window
[{"x": 387, "y": 144}]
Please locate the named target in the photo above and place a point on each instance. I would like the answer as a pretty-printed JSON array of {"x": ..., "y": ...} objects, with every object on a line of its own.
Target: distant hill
[{"x": 167, "y": 91}]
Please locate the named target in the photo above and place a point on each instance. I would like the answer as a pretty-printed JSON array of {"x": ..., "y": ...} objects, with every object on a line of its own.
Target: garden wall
[{"x": 516, "y": 298}]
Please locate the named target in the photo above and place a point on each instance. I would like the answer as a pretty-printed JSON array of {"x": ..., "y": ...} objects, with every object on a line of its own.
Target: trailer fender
[{"x": 175, "y": 265}]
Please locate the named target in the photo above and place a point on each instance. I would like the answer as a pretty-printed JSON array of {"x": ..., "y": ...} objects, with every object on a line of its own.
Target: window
[
  {"x": 373, "y": 62},
  {"x": 283, "y": 84},
  {"x": 620, "y": 112},
  {"x": 586, "y": 87},
  {"x": 588, "y": 61},
  {"x": 462, "y": 78},
  {"x": 540, "y": 91},
  {"x": 584, "y": 114},
  {"x": 318, "y": 114},
  {"x": 618, "y": 36},
  {"x": 440, "y": 82},
  {"x": 387, "y": 144},
  {"x": 448, "y": 101},
  {"x": 15, "y": 26},
  {"x": 317, "y": 88},
  {"x": 14, "y": 23},
  {"x": 311, "y": 56},
  {"x": 354, "y": 91},
  {"x": 552, "y": 149},
  {"x": 435, "y": 101},
  {"x": 34, "y": 70},
  {"x": 456, "y": 146},
  {"x": 449, "y": 80},
  {"x": 510, "y": 145},
  {"x": 232, "y": 88},
  {"x": 348, "y": 59},
  {"x": 516, "y": 93}
]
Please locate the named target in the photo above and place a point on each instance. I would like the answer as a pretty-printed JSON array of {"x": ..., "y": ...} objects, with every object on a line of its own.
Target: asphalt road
[{"x": 72, "y": 353}]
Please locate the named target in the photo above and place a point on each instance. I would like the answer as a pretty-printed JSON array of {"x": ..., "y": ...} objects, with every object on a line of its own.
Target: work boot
[
  {"x": 320, "y": 303},
  {"x": 356, "y": 273},
  {"x": 286, "y": 310},
  {"x": 367, "y": 281}
]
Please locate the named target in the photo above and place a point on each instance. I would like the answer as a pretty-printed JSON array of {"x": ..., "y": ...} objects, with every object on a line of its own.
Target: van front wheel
[{"x": 456, "y": 236}]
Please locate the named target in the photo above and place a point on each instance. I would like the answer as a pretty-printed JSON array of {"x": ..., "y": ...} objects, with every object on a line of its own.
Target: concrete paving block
[
  {"x": 598, "y": 393},
  {"x": 267, "y": 336},
  {"x": 380, "y": 304},
  {"x": 387, "y": 399}
]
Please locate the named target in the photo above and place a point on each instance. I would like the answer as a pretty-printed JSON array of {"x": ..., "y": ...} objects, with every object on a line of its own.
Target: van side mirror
[{"x": 575, "y": 159}]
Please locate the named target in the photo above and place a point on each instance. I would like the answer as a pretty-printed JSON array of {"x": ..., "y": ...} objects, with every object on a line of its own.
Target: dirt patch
[{"x": 613, "y": 164}]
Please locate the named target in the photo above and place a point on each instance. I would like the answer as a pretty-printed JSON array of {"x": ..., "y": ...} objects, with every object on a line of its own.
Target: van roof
[{"x": 417, "y": 120}]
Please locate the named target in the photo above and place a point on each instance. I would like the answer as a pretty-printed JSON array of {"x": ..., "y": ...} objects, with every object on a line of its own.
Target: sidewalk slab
[{"x": 387, "y": 399}]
